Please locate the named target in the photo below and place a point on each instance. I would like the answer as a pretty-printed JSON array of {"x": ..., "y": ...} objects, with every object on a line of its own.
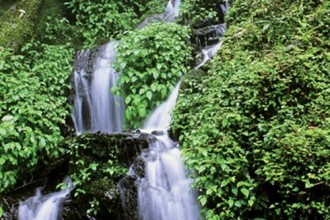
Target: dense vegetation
[
  {"x": 254, "y": 125},
  {"x": 33, "y": 106},
  {"x": 255, "y": 128},
  {"x": 153, "y": 59}
]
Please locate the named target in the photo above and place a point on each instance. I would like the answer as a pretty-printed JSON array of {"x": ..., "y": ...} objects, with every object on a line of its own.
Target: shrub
[
  {"x": 152, "y": 59},
  {"x": 33, "y": 106},
  {"x": 99, "y": 21},
  {"x": 197, "y": 12}
]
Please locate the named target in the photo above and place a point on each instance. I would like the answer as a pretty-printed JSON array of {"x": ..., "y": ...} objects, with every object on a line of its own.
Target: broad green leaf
[
  {"x": 149, "y": 95},
  {"x": 245, "y": 192}
]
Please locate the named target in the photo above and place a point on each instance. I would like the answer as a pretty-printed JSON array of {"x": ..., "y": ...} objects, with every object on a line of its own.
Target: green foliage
[
  {"x": 153, "y": 59},
  {"x": 95, "y": 166},
  {"x": 155, "y": 6},
  {"x": 33, "y": 106},
  {"x": 199, "y": 11},
  {"x": 58, "y": 30},
  {"x": 151, "y": 8},
  {"x": 98, "y": 21},
  {"x": 51, "y": 15},
  {"x": 255, "y": 128}
]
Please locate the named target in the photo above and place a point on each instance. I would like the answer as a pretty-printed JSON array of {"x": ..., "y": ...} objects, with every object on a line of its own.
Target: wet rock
[
  {"x": 46, "y": 177},
  {"x": 157, "y": 133},
  {"x": 209, "y": 35},
  {"x": 129, "y": 194},
  {"x": 138, "y": 167}
]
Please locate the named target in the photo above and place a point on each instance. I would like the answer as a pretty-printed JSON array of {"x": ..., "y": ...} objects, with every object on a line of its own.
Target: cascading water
[
  {"x": 95, "y": 108},
  {"x": 170, "y": 14},
  {"x": 44, "y": 207},
  {"x": 172, "y": 10},
  {"x": 217, "y": 31},
  {"x": 208, "y": 53},
  {"x": 164, "y": 192},
  {"x": 160, "y": 119}
]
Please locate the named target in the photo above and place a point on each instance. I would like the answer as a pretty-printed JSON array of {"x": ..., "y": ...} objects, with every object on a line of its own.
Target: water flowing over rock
[
  {"x": 44, "y": 207},
  {"x": 208, "y": 38},
  {"x": 157, "y": 186},
  {"x": 208, "y": 35},
  {"x": 170, "y": 14},
  {"x": 163, "y": 188},
  {"x": 160, "y": 118},
  {"x": 172, "y": 10},
  {"x": 165, "y": 192},
  {"x": 95, "y": 107},
  {"x": 208, "y": 53},
  {"x": 121, "y": 150}
]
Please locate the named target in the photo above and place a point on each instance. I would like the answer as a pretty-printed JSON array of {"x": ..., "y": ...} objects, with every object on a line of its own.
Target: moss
[
  {"x": 17, "y": 23},
  {"x": 5, "y": 5}
]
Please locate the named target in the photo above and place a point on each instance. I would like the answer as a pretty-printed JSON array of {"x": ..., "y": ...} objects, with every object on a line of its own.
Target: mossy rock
[
  {"x": 17, "y": 22},
  {"x": 99, "y": 162},
  {"x": 22, "y": 19}
]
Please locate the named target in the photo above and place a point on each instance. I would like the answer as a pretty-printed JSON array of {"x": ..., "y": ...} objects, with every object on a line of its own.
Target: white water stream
[
  {"x": 208, "y": 53},
  {"x": 44, "y": 207},
  {"x": 165, "y": 192},
  {"x": 172, "y": 10},
  {"x": 210, "y": 50},
  {"x": 95, "y": 107}
]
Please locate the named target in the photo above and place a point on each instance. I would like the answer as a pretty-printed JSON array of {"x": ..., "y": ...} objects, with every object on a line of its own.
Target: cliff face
[{"x": 255, "y": 127}]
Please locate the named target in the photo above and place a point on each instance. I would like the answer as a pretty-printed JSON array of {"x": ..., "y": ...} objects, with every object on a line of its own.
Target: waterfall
[
  {"x": 211, "y": 34},
  {"x": 170, "y": 14},
  {"x": 95, "y": 108},
  {"x": 160, "y": 119},
  {"x": 165, "y": 193},
  {"x": 172, "y": 10},
  {"x": 44, "y": 207},
  {"x": 208, "y": 53}
]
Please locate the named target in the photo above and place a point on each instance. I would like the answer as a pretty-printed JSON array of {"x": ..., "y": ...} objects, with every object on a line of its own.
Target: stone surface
[{"x": 129, "y": 193}]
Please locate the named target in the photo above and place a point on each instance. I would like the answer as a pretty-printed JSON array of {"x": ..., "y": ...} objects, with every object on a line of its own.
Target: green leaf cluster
[
  {"x": 95, "y": 168},
  {"x": 152, "y": 60},
  {"x": 99, "y": 21},
  {"x": 33, "y": 107},
  {"x": 255, "y": 128},
  {"x": 197, "y": 12}
]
